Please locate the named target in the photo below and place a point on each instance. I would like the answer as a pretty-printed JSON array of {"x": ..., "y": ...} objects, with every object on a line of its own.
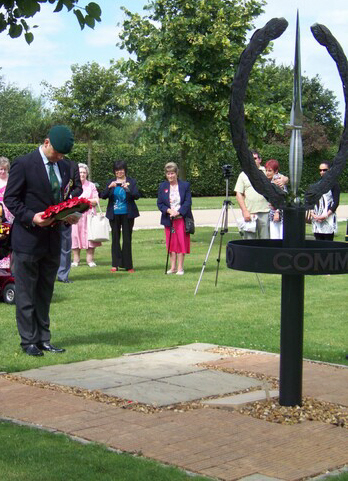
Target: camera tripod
[{"x": 222, "y": 223}]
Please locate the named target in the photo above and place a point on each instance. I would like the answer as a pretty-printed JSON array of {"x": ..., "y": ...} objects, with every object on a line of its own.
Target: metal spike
[{"x": 296, "y": 151}]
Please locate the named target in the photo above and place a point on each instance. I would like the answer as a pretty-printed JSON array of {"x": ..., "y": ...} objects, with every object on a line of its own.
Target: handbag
[
  {"x": 249, "y": 226},
  {"x": 189, "y": 225},
  {"x": 98, "y": 227}
]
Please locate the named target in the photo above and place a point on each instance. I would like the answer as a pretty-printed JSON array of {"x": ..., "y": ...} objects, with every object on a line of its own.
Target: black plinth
[
  {"x": 270, "y": 257},
  {"x": 293, "y": 258}
]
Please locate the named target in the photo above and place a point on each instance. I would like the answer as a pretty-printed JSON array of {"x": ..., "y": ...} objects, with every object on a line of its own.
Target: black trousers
[
  {"x": 327, "y": 237},
  {"x": 34, "y": 276},
  {"x": 121, "y": 257}
]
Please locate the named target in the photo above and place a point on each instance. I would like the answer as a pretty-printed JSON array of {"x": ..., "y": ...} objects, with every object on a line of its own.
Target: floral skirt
[{"x": 179, "y": 240}]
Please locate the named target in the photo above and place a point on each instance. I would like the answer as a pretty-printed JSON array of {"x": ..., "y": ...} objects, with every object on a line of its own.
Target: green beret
[{"x": 61, "y": 138}]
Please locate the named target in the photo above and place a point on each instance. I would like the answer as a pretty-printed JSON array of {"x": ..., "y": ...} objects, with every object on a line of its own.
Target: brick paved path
[{"x": 214, "y": 442}]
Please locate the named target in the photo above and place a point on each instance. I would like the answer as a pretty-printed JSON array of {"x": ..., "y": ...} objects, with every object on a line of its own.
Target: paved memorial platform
[
  {"x": 158, "y": 378},
  {"x": 220, "y": 443}
]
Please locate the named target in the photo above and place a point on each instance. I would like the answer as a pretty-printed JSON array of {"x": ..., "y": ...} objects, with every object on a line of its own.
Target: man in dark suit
[
  {"x": 75, "y": 190},
  {"x": 37, "y": 180}
]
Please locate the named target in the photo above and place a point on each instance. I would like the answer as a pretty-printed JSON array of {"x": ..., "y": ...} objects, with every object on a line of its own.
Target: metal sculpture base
[{"x": 293, "y": 258}]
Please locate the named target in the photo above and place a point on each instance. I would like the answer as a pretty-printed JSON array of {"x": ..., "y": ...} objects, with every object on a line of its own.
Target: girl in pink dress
[{"x": 79, "y": 230}]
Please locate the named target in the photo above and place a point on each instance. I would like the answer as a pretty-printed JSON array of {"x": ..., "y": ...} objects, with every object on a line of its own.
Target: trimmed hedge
[{"x": 147, "y": 166}]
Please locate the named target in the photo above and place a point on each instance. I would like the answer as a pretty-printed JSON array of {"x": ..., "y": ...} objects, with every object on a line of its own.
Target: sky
[{"x": 59, "y": 42}]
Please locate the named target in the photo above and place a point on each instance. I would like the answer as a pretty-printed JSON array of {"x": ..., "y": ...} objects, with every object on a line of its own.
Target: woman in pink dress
[
  {"x": 79, "y": 230},
  {"x": 174, "y": 201},
  {"x": 4, "y": 170}
]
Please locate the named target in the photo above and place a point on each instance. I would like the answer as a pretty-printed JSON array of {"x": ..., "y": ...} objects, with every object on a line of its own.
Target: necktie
[{"x": 54, "y": 183}]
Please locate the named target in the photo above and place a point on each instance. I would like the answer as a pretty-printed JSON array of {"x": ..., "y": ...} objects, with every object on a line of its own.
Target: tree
[
  {"x": 16, "y": 11},
  {"x": 24, "y": 119},
  {"x": 93, "y": 98},
  {"x": 126, "y": 132},
  {"x": 322, "y": 124},
  {"x": 186, "y": 52}
]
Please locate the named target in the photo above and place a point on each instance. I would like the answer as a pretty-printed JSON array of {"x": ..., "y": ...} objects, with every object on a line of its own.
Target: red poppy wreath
[{"x": 68, "y": 207}]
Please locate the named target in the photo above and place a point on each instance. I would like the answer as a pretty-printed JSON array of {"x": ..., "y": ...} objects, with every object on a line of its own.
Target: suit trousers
[
  {"x": 65, "y": 253},
  {"x": 34, "y": 276},
  {"x": 121, "y": 257}
]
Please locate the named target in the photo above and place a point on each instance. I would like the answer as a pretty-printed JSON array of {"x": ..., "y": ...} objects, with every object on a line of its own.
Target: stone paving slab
[
  {"x": 184, "y": 388},
  {"x": 240, "y": 399},
  {"x": 151, "y": 369},
  {"x": 214, "y": 382},
  {"x": 155, "y": 393}
]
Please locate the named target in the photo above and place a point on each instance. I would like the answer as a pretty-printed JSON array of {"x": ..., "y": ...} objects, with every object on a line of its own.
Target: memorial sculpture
[{"x": 293, "y": 257}]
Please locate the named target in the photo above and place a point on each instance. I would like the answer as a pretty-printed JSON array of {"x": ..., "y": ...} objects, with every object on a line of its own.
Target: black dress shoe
[
  {"x": 66, "y": 281},
  {"x": 32, "y": 350},
  {"x": 46, "y": 346}
]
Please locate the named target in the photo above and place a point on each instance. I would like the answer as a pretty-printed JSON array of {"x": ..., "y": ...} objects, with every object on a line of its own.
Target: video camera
[{"x": 227, "y": 171}]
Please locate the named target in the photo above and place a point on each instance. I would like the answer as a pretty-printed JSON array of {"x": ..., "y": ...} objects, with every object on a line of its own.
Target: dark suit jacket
[
  {"x": 132, "y": 196},
  {"x": 163, "y": 202},
  {"x": 28, "y": 191}
]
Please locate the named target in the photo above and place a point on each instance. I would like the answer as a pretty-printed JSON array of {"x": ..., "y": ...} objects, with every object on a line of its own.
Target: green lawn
[
  {"x": 103, "y": 315},
  {"x": 344, "y": 198},
  {"x": 205, "y": 202}
]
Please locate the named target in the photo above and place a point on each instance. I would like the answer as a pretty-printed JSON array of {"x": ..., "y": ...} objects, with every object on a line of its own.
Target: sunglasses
[{"x": 323, "y": 170}]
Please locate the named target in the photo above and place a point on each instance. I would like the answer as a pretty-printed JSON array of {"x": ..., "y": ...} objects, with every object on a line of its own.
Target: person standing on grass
[
  {"x": 275, "y": 215},
  {"x": 79, "y": 232},
  {"x": 121, "y": 192},
  {"x": 4, "y": 170},
  {"x": 74, "y": 190},
  {"x": 174, "y": 201},
  {"x": 5, "y": 215},
  {"x": 324, "y": 221},
  {"x": 36, "y": 181},
  {"x": 254, "y": 205}
]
